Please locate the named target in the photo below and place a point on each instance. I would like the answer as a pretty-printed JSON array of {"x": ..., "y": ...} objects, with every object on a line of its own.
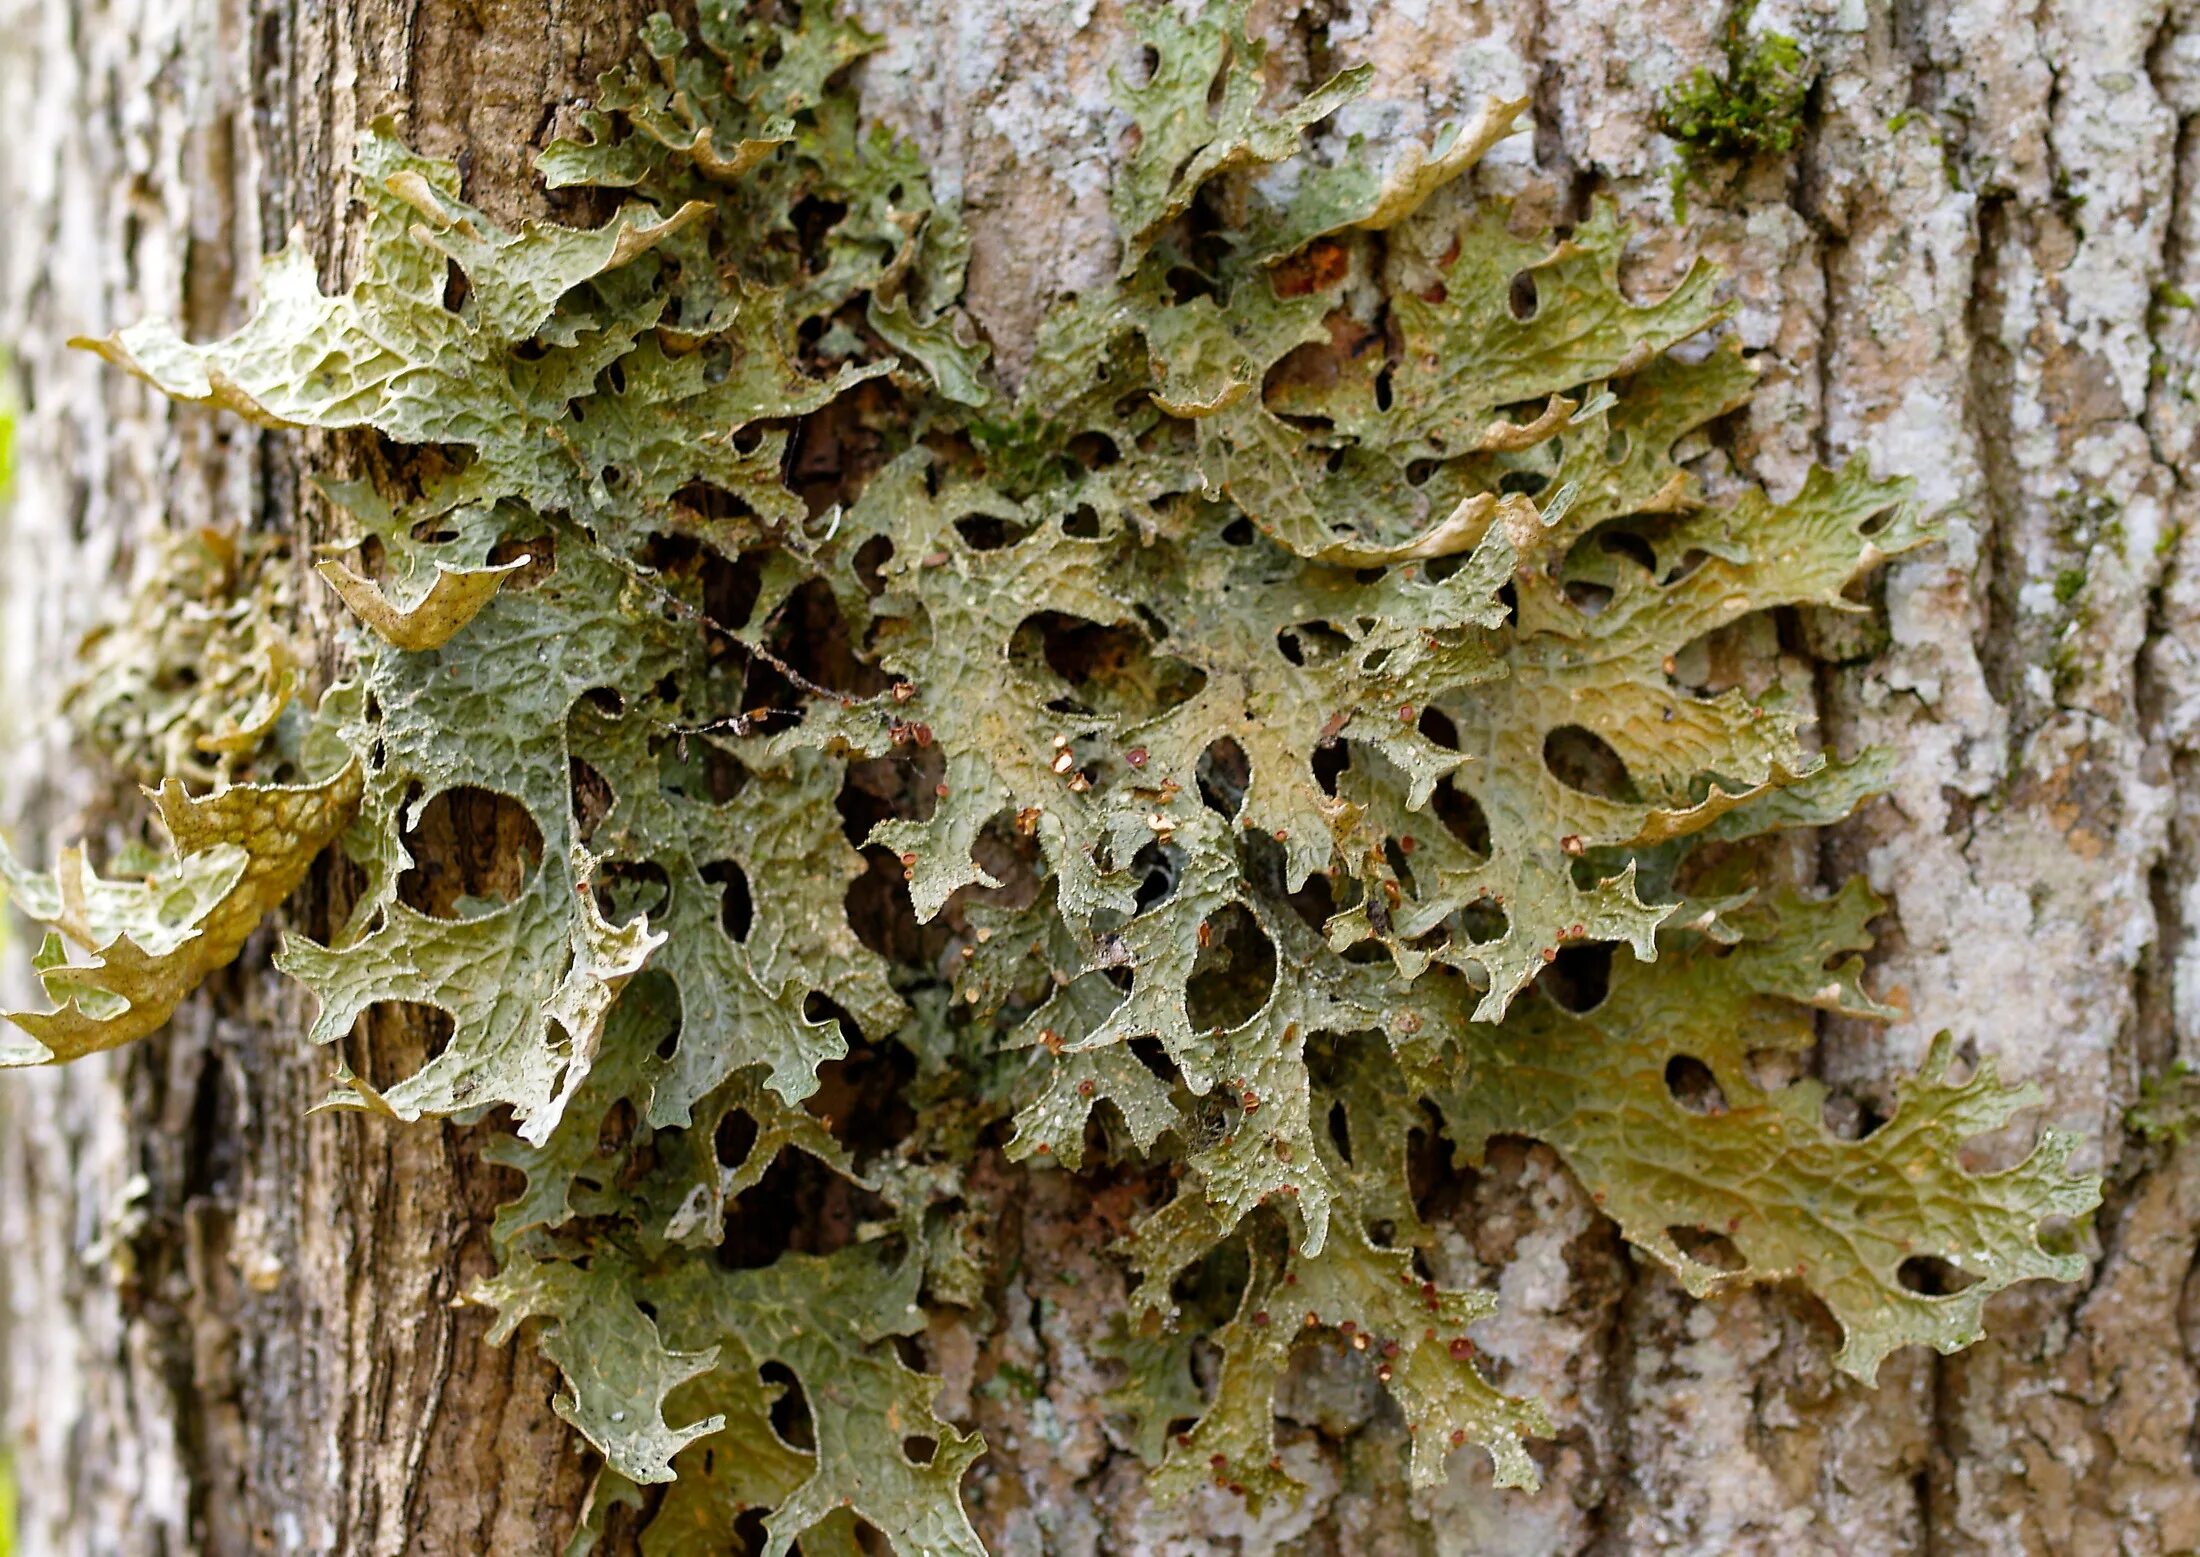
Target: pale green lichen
[
  {"x": 1279, "y": 680},
  {"x": 199, "y": 669}
]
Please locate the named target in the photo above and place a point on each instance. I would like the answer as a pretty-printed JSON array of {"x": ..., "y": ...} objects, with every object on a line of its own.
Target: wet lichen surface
[{"x": 1244, "y": 768}]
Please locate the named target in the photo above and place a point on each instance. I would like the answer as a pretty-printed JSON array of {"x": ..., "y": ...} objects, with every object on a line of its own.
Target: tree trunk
[{"x": 231, "y": 1326}]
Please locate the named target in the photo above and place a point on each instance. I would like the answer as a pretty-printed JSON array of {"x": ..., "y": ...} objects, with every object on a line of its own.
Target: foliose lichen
[{"x": 1197, "y": 760}]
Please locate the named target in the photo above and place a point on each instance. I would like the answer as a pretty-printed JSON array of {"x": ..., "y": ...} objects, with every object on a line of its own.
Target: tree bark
[{"x": 230, "y": 1325}]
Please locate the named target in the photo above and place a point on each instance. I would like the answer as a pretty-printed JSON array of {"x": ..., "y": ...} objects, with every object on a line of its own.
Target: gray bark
[{"x": 229, "y": 1325}]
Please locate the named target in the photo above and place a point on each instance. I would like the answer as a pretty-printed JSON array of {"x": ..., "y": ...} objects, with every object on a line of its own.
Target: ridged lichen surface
[{"x": 1254, "y": 760}]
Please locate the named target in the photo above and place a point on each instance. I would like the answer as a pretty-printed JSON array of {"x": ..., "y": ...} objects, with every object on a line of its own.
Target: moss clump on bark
[{"x": 1754, "y": 108}]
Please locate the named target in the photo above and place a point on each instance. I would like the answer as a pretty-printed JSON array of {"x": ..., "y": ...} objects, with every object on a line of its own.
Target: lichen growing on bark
[{"x": 1209, "y": 764}]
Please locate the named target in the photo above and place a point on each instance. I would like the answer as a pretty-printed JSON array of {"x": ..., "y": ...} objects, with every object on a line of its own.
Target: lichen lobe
[{"x": 1219, "y": 737}]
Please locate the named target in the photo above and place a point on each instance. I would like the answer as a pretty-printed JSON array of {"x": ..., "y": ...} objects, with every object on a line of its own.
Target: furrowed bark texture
[{"x": 229, "y": 1325}]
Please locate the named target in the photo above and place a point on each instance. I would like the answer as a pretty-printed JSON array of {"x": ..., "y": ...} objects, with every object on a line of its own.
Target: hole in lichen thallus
[
  {"x": 1583, "y": 760},
  {"x": 1628, "y": 544},
  {"x": 734, "y": 1138},
  {"x": 1401, "y": 865},
  {"x": 472, "y": 851},
  {"x": 736, "y": 911},
  {"x": 629, "y": 889},
  {"x": 1579, "y": 977},
  {"x": 537, "y": 556},
  {"x": 1588, "y": 598},
  {"x": 1693, "y": 1086},
  {"x": 870, "y": 564},
  {"x": 1928, "y": 1275},
  {"x": 1153, "y": 868},
  {"x": 1234, "y": 973},
  {"x": 800, "y": 1206},
  {"x": 616, "y": 1128},
  {"x": 396, "y": 1039},
  {"x": 1710, "y": 1248},
  {"x": 790, "y": 1411},
  {"x": 989, "y": 532},
  {"x": 862, "y": 1097},
  {"x": 1150, "y": 1053},
  {"x": 591, "y": 797},
  {"x": 1312, "y": 643},
  {"x": 1109, "y": 667},
  {"x": 1462, "y": 815},
  {"x": 1223, "y": 772}
]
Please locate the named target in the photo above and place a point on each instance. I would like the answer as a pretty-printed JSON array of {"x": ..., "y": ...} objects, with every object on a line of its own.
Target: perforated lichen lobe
[{"x": 1185, "y": 769}]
